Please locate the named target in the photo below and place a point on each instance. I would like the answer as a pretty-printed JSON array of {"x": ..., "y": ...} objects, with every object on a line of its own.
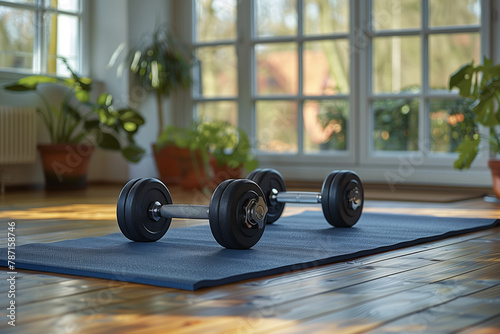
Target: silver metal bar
[
  {"x": 184, "y": 211},
  {"x": 297, "y": 197}
]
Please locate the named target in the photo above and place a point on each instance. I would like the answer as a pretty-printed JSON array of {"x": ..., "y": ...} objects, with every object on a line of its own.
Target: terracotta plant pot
[
  {"x": 192, "y": 171},
  {"x": 65, "y": 166},
  {"x": 221, "y": 173},
  {"x": 167, "y": 164},
  {"x": 494, "y": 165}
]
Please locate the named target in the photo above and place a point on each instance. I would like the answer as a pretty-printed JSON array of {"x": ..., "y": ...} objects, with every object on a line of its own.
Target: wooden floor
[{"x": 448, "y": 286}]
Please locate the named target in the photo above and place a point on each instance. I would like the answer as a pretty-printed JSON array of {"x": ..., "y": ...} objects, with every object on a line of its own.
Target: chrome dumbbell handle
[
  {"x": 178, "y": 211},
  {"x": 353, "y": 197},
  {"x": 255, "y": 211},
  {"x": 296, "y": 197}
]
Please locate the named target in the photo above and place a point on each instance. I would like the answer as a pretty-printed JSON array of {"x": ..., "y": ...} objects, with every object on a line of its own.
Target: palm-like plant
[{"x": 161, "y": 64}]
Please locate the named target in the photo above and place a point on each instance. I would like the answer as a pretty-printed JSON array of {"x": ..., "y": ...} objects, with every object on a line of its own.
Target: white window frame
[
  {"x": 40, "y": 53},
  {"x": 424, "y": 157},
  {"x": 389, "y": 168}
]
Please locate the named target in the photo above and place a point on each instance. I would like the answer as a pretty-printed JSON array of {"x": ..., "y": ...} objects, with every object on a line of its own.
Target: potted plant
[
  {"x": 187, "y": 151},
  {"x": 160, "y": 64},
  {"x": 228, "y": 148},
  {"x": 480, "y": 84},
  {"x": 209, "y": 152},
  {"x": 76, "y": 125}
]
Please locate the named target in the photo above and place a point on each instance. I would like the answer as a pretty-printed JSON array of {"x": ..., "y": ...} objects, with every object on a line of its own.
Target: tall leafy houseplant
[
  {"x": 480, "y": 84},
  {"x": 77, "y": 122},
  {"x": 161, "y": 64}
]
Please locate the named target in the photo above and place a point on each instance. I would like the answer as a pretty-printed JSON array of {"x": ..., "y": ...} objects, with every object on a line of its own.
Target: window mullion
[
  {"x": 364, "y": 43},
  {"x": 356, "y": 95},
  {"x": 424, "y": 124},
  {"x": 38, "y": 66},
  {"x": 246, "y": 113},
  {"x": 300, "y": 97}
]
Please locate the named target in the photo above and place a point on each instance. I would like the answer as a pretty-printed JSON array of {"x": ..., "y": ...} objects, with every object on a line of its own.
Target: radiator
[{"x": 17, "y": 135}]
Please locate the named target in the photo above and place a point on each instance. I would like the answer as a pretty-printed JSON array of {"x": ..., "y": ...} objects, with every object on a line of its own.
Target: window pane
[
  {"x": 277, "y": 126},
  {"x": 277, "y": 68},
  {"x": 447, "y": 52},
  {"x": 216, "y": 20},
  {"x": 395, "y": 14},
  {"x": 17, "y": 37},
  {"x": 326, "y": 17},
  {"x": 219, "y": 75},
  {"x": 450, "y": 121},
  {"x": 62, "y": 33},
  {"x": 395, "y": 125},
  {"x": 396, "y": 64},
  {"x": 325, "y": 125},
  {"x": 218, "y": 111},
  {"x": 65, "y": 5},
  {"x": 452, "y": 12},
  {"x": 275, "y": 18},
  {"x": 326, "y": 67}
]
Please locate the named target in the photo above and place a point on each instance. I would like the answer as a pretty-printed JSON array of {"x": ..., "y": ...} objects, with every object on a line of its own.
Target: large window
[
  {"x": 325, "y": 84},
  {"x": 33, "y": 33}
]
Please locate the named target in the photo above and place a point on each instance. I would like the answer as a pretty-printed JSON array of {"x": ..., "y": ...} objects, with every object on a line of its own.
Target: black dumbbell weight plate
[
  {"x": 255, "y": 172},
  {"x": 120, "y": 207},
  {"x": 134, "y": 203},
  {"x": 214, "y": 208},
  {"x": 228, "y": 214},
  {"x": 269, "y": 179},
  {"x": 337, "y": 208}
]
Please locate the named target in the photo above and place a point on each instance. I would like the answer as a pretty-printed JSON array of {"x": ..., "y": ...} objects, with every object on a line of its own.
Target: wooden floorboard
[{"x": 447, "y": 286}]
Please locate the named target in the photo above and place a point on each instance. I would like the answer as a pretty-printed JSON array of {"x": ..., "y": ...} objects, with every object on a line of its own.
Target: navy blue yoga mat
[{"x": 189, "y": 258}]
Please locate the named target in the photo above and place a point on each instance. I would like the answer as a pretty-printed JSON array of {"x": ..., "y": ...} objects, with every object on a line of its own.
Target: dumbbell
[
  {"x": 341, "y": 196},
  {"x": 236, "y": 212}
]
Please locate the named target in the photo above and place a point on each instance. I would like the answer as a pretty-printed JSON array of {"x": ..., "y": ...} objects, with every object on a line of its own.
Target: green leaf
[
  {"x": 485, "y": 112},
  {"x": 19, "y": 88},
  {"x": 91, "y": 124},
  {"x": 133, "y": 153},
  {"x": 462, "y": 79},
  {"x": 251, "y": 165},
  {"x": 29, "y": 83},
  {"x": 468, "y": 150},
  {"x": 487, "y": 62},
  {"x": 103, "y": 115},
  {"x": 82, "y": 96},
  {"x": 130, "y": 115},
  {"x": 130, "y": 127},
  {"x": 109, "y": 142},
  {"x": 86, "y": 81},
  {"x": 73, "y": 112},
  {"x": 105, "y": 99},
  {"x": 33, "y": 80},
  {"x": 106, "y": 116}
]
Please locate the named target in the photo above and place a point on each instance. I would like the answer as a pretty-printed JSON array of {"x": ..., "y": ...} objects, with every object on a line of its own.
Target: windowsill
[
  {"x": 405, "y": 192},
  {"x": 13, "y": 76}
]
